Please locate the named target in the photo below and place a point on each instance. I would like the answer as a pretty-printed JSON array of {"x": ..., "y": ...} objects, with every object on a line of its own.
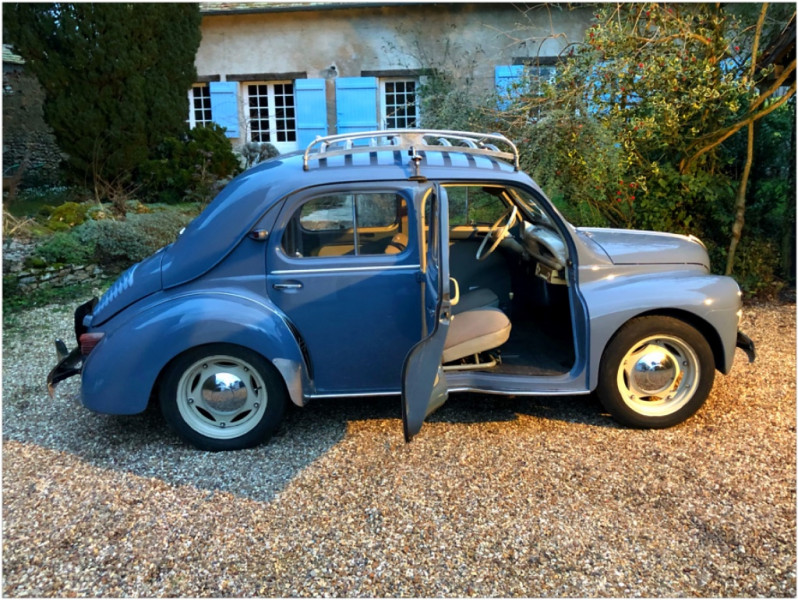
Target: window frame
[
  {"x": 273, "y": 119},
  {"x": 384, "y": 107},
  {"x": 192, "y": 109}
]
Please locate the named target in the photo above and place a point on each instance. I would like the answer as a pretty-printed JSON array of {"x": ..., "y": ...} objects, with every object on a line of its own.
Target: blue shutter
[
  {"x": 508, "y": 78},
  {"x": 356, "y": 104},
  {"x": 311, "y": 110},
  {"x": 224, "y": 106}
]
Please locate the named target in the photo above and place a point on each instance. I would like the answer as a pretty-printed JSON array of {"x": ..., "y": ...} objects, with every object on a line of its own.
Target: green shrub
[
  {"x": 755, "y": 266},
  {"x": 62, "y": 247},
  {"x": 191, "y": 168},
  {"x": 65, "y": 216},
  {"x": 121, "y": 243},
  {"x": 113, "y": 243}
]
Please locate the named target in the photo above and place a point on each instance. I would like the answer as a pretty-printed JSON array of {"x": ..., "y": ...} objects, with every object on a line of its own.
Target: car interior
[{"x": 514, "y": 260}]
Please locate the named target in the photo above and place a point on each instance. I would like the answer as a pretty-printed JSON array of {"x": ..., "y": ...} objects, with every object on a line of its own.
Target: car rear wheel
[
  {"x": 656, "y": 372},
  {"x": 222, "y": 397}
]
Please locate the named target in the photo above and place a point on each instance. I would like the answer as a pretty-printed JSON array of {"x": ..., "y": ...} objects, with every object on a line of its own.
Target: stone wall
[
  {"x": 27, "y": 140},
  {"x": 28, "y": 279}
]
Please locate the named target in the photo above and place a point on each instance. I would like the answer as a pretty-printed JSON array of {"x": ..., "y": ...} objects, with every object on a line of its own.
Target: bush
[
  {"x": 191, "y": 168},
  {"x": 62, "y": 247},
  {"x": 112, "y": 243},
  {"x": 65, "y": 216},
  {"x": 253, "y": 153},
  {"x": 121, "y": 243}
]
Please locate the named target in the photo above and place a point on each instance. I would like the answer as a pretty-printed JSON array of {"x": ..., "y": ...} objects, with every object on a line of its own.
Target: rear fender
[{"x": 122, "y": 371}]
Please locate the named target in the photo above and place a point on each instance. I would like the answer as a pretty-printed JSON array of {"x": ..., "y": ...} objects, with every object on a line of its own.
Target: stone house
[{"x": 285, "y": 73}]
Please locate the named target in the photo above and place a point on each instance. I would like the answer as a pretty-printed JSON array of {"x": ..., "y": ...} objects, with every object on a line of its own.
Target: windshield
[{"x": 539, "y": 216}]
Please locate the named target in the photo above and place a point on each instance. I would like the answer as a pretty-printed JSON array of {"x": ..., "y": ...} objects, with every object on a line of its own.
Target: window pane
[
  {"x": 325, "y": 226},
  {"x": 472, "y": 205},
  {"x": 328, "y": 213},
  {"x": 200, "y": 105},
  {"x": 258, "y": 98},
  {"x": 377, "y": 210},
  {"x": 399, "y": 100}
]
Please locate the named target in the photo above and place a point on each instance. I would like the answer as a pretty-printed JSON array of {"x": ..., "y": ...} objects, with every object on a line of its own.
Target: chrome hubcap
[
  {"x": 658, "y": 376},
  {"x": 221, "y": 397}
]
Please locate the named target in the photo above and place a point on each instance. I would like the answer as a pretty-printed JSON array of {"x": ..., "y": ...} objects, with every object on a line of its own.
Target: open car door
[{"x": 423, "y": 380}]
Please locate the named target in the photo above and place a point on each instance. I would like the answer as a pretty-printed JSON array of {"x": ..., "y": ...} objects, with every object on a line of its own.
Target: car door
[
  {"x": 423, "y": 380},
  {"x": 351, "y": 296}
]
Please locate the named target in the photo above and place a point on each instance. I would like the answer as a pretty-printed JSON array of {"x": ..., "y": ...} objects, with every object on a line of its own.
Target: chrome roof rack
[{"x": 413, "y": 140}]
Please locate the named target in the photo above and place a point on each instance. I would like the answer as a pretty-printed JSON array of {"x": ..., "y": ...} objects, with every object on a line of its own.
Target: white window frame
[
  {"x": 385, "y": 111},
  {"x": 192, "y": 110},
  {"x": 273, "y": 131},
  {"x": 536, "y": 75}
]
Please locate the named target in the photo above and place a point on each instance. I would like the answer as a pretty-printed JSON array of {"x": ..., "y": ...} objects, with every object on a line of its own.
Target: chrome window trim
[{"x": 348, "y": 269}]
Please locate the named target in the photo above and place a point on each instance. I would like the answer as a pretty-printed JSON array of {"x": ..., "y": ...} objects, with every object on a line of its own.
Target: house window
[
  {"x": 199, "y": 98},
  {"x": 399, "y": 103},
  {"x": 271, "y": 113}
]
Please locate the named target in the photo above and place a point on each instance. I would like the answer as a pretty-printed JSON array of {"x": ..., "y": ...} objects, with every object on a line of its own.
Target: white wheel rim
[
  {"x": 221, "y": 397},
  {"x": 658, "y": 376}
]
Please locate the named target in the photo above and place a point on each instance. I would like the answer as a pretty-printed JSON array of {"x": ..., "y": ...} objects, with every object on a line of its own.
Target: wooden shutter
[
  {"x": 224, "y": 106},
  {"x": 507, "y": 79},
  {"x": 311, "y": 110},
  {"x": 356, "y": 104}
]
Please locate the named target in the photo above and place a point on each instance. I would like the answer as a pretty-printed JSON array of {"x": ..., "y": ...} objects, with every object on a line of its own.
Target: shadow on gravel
[{"x": 144, "y": 446}]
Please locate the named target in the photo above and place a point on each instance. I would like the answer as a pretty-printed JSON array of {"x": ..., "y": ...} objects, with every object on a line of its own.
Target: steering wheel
[{"x": 498, "y": 231}]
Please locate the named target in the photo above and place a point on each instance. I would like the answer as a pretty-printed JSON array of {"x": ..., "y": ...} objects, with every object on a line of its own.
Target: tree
[
  {"x": 115, "y": 78},
  {"x": 666, "y": 85}
]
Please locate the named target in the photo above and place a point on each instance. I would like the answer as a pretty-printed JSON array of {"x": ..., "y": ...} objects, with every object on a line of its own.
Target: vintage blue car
[{"x": 410, "y": 262}]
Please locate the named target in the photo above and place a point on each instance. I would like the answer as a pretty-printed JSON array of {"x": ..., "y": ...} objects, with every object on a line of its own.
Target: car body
[{"x": 408, "y": 262}]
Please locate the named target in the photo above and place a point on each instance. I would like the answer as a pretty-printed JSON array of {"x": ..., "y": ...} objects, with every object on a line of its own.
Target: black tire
[
  {"x": 656, "y": 372},
  {"x": 222, "y": 397}
]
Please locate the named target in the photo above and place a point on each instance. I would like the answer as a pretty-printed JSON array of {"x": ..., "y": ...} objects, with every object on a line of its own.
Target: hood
[
  {"x": 625, "y": 247},
  {"x": 140, "y": 280}
]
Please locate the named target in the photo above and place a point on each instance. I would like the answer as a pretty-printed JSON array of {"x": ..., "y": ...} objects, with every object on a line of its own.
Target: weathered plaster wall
[{"x": 373, "y": 39}]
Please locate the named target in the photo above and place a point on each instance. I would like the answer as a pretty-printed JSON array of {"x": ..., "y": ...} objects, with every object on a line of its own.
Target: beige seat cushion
[{"x": 475, "y": 331}]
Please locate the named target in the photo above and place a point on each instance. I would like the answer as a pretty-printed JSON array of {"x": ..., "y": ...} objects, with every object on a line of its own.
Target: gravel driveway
[{"x": 495, "y": 497}]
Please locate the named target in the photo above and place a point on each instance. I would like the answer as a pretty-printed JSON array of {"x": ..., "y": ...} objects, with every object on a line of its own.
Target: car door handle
[{"x": 287, "y": 286}]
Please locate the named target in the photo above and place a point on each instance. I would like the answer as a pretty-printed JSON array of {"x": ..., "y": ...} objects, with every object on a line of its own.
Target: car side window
[
  {"x": 348, "y": 224},
  {"x": 474, "y": 205}
]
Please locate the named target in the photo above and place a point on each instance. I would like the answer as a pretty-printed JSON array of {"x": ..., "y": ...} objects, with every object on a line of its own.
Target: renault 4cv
[{"x": 413, "y": 263}]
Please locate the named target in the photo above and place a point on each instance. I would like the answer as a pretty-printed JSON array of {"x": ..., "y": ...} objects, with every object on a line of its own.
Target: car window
[
  {"x": 474, "y": 205},
  {"x": 348, "y": 224}
]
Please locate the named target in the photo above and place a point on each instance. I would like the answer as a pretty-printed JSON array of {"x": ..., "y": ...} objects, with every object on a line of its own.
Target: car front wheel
[
  {"x": 222, "y": 397},
  {"x": 656, "y": 372}
]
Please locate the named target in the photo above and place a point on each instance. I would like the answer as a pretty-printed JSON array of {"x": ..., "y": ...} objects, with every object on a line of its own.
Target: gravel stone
[{"x": 497, "y": 497}]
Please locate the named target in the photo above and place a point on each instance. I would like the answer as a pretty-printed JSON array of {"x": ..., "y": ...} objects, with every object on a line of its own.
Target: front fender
[
  {"x": 121, "y": 372},
  {"x": 710, "y": 301}
]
